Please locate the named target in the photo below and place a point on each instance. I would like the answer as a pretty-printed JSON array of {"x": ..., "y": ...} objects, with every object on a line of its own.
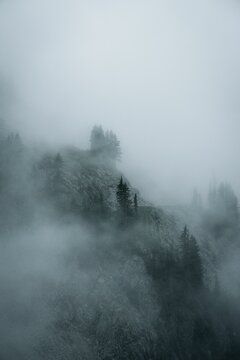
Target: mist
[
  {"x": 119, "y": 179},
  {"x": 163, "y": 75}
]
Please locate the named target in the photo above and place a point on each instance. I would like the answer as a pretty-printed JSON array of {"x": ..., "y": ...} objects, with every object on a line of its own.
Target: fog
[
  {"x": 89, "y": 268},
  {"x": 164, "y": 75}
]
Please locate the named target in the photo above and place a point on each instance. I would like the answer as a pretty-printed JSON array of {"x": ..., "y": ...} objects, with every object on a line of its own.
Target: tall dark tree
[
  {"x": 126, "y": 199},
  {"x": 120, "y": 194},
  {"x": 136, "y": 204},
  {"x": 123, "y": 198}
]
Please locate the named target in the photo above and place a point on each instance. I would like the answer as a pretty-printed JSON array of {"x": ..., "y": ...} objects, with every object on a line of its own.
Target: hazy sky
[{"x": 163, "y": 74}]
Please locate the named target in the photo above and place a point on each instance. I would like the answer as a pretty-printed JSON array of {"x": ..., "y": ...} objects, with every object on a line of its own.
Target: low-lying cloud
[{"x": 164, "y": 76}]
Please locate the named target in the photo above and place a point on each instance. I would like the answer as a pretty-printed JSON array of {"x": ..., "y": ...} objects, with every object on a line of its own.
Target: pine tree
[
  {"x": 126, "y": 200},
  {"x": 136, "y": 204},
  {"x": 120, "y": 195},
  {"x": 123, "y": 198}
]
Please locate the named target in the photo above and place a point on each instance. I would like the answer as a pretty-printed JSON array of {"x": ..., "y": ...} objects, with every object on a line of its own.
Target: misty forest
[
  {"x": 119, "y": 180},
  {"x": 91, "y": 270}
]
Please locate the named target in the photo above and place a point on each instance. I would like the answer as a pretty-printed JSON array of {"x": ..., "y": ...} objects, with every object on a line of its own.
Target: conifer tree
[
  {"x": 123, "y": 198},
  {"x": 136, "y": 203},
  {"x": 126, "y": 199},
  {"x": 120, "y": 195}
]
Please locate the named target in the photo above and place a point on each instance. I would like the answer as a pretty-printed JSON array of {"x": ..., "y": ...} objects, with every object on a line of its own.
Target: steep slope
[
  {"x": 86, "y": 178},
  {"x": 88, "y": 182}
]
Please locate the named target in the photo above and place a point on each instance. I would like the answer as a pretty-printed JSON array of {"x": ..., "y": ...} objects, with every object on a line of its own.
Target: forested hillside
[{"x": 91, "y": 270}]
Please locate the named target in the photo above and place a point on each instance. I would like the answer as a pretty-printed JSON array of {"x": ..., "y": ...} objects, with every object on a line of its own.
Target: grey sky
[{"x": 163, "y": 74}]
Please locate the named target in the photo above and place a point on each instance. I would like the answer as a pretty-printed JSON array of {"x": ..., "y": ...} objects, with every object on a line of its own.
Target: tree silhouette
[
  {"x": 136, "y": 204},
  {"x": 123, "y": 198}
]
